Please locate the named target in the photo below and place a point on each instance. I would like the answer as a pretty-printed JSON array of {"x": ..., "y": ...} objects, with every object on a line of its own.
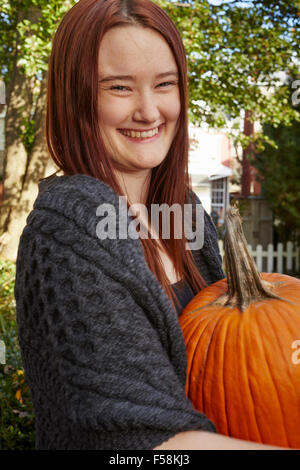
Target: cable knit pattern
[{"x": 101, "y": 345}]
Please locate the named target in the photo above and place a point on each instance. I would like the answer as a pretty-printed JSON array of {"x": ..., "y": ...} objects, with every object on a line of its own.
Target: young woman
[{"x": 98, "y": 310}]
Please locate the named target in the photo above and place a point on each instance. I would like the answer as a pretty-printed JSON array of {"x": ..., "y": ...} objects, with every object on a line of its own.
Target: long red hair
[{"x": 72, "y": 131}]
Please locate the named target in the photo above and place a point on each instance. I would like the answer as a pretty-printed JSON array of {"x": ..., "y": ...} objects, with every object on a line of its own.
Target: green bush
[{"x": 16, "y": 411}]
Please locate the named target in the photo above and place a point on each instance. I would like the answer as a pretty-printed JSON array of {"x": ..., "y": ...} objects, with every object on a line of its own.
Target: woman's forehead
[{"x": 132, "y": 49}]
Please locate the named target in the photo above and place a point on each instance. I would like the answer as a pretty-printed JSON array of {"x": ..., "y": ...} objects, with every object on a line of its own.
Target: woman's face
[{"x": 139, "y": 101}]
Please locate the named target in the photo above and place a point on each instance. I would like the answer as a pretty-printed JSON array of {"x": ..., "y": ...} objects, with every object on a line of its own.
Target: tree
[
  {"x": 279, "y": 172},
  {"x": 236, "y": 49},
  {"x": 234, "y": 53},
  {"x": 232, "y": 48},
  {"x": 27, "y": 29}
]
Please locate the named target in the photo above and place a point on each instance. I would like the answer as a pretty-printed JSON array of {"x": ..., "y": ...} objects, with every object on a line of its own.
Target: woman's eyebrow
[{"x": 111, "y": 78}]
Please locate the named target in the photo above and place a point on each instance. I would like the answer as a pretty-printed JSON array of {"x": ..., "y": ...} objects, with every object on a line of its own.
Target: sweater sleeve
[{"x": 99, "y": 375}]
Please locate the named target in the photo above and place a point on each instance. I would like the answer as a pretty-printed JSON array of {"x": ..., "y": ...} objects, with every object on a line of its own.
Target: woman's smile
[{"x": 141, "y": 136}]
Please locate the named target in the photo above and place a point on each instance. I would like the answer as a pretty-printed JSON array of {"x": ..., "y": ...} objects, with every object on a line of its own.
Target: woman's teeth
[{"x": 139, "y": 135}]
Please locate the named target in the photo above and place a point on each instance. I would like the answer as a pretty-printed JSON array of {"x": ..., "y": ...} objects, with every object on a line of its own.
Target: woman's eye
[
  {"x": 119, "y": 88},
  {"x": 166, "y": 84}
]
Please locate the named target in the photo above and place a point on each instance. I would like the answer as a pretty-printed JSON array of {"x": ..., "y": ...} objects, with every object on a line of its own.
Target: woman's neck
[{"x": 135, "y": 186}]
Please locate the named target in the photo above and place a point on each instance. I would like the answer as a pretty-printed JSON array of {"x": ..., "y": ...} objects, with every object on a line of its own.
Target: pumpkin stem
[{"x": 245, "y": 284}]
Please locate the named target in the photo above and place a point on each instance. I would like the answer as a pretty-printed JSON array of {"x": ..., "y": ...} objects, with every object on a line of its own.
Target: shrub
[{"x": 16, "y": 411}]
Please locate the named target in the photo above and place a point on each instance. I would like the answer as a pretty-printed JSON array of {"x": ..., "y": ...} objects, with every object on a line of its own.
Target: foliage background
[
  {"x": 279, "y": 171},
  {"x": 16, "y": 413}
]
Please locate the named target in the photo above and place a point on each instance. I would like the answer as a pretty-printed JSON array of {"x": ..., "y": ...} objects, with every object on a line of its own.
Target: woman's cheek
[
  {"x": 112, "y": 112},
  {"x": 173, "y": 107}
]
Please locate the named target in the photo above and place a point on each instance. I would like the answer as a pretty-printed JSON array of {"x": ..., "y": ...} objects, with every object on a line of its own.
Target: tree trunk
[
  {"x": 22, "y": 171},
  {"x": 19, "y": 105},
  {"x": 15, "y": 160},
  {"x": 34, "y": 171}
]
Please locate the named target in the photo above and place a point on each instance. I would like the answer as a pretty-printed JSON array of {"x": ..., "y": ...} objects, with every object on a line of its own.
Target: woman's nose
[{"x": 146, "y": 108}]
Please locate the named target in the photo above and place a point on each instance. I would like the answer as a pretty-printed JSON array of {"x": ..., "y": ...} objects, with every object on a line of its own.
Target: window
[{"x": 218, "y": 200}]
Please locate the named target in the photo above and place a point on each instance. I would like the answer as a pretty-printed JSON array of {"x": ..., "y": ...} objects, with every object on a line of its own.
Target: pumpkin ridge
[
  {"x": 269, "y": 368},
  {"x": 192, "y": 361},
  {"x": 231, "y": 320},
  {"x": 189, "y": 345},
  {"x": 271, "y": 318},
  {"x": 222, "y": 317},
  {"x": 208, "y": 324},
  {"x": 194, "y": 327},
  {"x": 247, "y": 342}
]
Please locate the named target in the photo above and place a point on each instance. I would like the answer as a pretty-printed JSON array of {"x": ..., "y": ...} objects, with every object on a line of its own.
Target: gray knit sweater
[{"x": 101, "y": 345}]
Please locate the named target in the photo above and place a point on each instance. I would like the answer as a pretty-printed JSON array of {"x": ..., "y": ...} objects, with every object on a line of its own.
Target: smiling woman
[
  {"x": 118, "y": 69},
  {"x": 102, "y": 348}
]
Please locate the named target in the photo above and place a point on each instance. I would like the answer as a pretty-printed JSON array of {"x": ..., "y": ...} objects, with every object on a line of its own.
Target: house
[{"x": 210, "y": 162}]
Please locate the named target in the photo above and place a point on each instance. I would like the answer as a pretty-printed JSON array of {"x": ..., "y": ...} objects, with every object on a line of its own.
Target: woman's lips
[{"x": 142, "y": 135}]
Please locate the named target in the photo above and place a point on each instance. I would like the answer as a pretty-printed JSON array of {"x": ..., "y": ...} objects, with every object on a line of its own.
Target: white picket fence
[{"x": 284, "y": 259}]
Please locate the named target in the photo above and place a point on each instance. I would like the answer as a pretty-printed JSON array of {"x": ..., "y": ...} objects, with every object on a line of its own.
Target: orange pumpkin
[{"x": 242, "y": 336}]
